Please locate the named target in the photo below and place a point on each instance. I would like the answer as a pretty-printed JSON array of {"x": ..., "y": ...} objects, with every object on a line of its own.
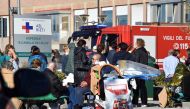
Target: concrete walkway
[{"x": 151, "y": 105}]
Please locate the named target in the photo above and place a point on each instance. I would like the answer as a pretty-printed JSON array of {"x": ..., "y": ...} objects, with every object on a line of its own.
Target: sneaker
[{"x": 143, "y": 105}]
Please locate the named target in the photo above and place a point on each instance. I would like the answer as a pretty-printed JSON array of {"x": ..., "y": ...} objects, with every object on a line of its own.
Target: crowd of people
[
  {"x": 74, "y": 60},
  {"x": 83, "y": 63}
]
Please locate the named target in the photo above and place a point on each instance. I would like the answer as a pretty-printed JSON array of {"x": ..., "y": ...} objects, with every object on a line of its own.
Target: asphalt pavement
[{"x": 151, "y": 105}]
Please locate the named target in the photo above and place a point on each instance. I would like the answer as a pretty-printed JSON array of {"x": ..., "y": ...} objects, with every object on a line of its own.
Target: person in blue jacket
[{"x": 37, "y": 55}]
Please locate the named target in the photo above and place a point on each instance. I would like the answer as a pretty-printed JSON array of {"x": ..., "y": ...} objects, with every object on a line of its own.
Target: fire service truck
[{"x": 159, "y": 39}]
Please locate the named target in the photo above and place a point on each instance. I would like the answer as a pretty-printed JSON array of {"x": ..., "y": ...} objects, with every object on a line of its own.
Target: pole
[
  {"x": 98, "y": 6},
  {"x": 19, "y": 7},
  {"x": 9, "y": 9},
  {"x": 13, "y": 29},
  {"x": 1, "y": 18}
]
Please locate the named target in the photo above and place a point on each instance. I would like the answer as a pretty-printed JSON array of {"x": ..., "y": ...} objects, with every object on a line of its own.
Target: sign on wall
[
  {"x": 30, "y": 31},
  {"x": 35, "y": 26}
]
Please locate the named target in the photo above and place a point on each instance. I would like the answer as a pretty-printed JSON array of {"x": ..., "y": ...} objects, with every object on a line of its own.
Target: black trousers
[{"x": 141, "y": 88}]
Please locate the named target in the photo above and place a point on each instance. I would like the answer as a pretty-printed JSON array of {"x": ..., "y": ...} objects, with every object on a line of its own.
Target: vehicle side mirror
[{"x": 31, "y": 83}]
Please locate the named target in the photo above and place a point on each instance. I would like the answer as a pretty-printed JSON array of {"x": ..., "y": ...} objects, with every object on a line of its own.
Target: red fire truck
[{"x": 159, "y": 39}]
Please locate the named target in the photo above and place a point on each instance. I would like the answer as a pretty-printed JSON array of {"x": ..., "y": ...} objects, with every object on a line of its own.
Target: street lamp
[
  {"x": 9, "y": 9},
  {"x": 11, "y": 12},
  {"x": 98, "y": 7},
  {"x": 14, "y": 10},
  {"x": 84, "y": 17},
  {"x": 102, "y": 18}
]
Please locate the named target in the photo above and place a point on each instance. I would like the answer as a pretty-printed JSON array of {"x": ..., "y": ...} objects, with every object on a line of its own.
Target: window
[
  {"x": 93, "y": 16},
  {"x": 154, "y": 13},
  {"x": 122, "y": 15},
  {"x": 158, "y": 13},
  {"x": 188, "y": 11},
  {"x": 122, "y": 20},
  {"x": 177, "y": 13},
  {"x": 161, "y": 13},
  {"x": 148, "y": 13},
  {"x": 4, "y": 26},
  {"x": 188, "y": 17},
  {"x": 65, "y": 23},
  {"x": 1, "y": 27},
  {"x": 173, "y": 13},
  {"x": 109, "y": 16},
  {"x": 137, "y": 13},
  {"x": 55, "y": 23},
  {"x": 65, "y": 28},
  {"x": 169, "y": 12},
  {"x": 77, "y": 20}
]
